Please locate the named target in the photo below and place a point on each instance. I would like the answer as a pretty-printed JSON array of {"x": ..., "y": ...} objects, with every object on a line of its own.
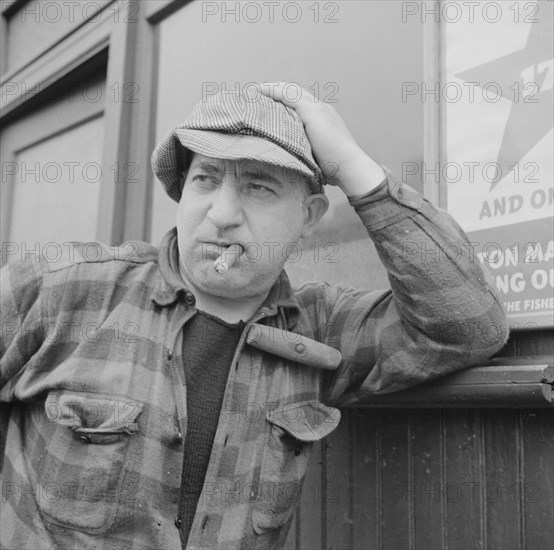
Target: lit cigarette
[{"x": 228, "y": 258}]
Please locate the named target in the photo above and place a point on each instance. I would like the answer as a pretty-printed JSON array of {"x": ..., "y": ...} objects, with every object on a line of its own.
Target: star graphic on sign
[{"x": 524, "y": 77}]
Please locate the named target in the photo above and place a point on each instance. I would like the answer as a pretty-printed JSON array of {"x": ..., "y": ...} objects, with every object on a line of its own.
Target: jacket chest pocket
[
  {"x": 81, "y": 472},
  {"x": 293, "y": 428}
]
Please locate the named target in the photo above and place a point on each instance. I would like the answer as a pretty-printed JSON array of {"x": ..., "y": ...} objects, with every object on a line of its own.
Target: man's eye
[
  {"x": 204, "y": 180},
  {"x": 259, "y": 189}
]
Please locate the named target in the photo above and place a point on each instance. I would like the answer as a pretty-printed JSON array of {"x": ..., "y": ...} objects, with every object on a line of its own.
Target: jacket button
[
  {"x": 189, "y": 298},
  {"x": 84, "y": 438},
  {"x": 169, "y": 355},
  {"x": 178, "y": 522},
  {"x": 300, "y": 348}
]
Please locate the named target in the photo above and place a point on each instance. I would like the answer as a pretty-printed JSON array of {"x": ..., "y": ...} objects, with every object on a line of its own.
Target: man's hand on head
[{"x": 340, "y": 158}]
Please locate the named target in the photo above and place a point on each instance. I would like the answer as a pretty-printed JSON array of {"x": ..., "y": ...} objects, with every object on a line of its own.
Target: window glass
[
  {"x": 57, "y": 186},
  {"x": 355, "y": 55}
]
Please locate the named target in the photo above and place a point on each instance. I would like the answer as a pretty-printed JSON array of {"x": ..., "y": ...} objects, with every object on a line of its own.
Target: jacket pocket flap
[
  {"x": 265, "y": 521},
  {"x": 305, "y": 420},
  {"x": 93, "y": 412}
]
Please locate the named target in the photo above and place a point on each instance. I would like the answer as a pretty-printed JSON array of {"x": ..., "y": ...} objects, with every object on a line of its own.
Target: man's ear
[{"x": 315, "y": 207}]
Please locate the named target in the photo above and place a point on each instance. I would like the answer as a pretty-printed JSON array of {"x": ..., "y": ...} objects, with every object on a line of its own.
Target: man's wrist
[{"x": 360, "y": 175}]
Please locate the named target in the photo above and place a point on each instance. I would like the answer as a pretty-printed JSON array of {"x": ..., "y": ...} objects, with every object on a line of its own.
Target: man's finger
[{"x": 288, "y": 93}]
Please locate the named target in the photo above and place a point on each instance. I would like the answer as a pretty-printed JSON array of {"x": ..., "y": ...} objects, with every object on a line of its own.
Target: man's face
[{"x": 260, "y": 207}]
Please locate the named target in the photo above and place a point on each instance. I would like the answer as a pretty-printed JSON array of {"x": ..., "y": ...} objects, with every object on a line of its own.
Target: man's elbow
[
  {"x": 490, "y": 336},
  {"x": 475, "y": 339}
]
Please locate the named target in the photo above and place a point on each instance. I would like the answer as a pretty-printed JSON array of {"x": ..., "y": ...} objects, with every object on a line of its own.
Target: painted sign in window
[{"x": 496, "y": 90}]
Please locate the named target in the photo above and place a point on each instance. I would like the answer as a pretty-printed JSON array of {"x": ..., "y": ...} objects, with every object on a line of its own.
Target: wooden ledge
[{"x": 502, "y": 383}]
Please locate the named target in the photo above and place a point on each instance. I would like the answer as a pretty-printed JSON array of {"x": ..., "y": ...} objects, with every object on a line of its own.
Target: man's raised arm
[{"x": 442, "y": 313}]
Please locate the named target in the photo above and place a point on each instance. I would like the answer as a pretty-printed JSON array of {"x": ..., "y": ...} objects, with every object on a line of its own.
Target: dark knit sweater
[{"x": 208, "y": 347}]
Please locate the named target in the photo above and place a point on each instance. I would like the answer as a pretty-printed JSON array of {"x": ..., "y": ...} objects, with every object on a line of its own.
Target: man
[{"x": 188, "y": 417}]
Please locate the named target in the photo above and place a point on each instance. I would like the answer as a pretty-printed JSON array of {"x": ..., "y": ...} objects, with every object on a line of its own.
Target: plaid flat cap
[{"x": 233, "y": 126}]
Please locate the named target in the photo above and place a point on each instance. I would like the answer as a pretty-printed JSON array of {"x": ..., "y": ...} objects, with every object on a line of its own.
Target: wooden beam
[
  {"x": 468, "y": 395},
  {"x": 431, "y": 110},
  {"x": 115, "y": 163},
  {"x": 496, "y": 374},
  {"x": 483, "y": 386}
]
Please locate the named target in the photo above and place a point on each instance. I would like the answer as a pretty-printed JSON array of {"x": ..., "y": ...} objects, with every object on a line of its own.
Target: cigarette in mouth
[{"x": 228, "y": 258}]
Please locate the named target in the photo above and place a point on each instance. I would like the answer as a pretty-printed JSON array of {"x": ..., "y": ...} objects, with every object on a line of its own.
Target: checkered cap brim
[{"x": 235, "y": 126}]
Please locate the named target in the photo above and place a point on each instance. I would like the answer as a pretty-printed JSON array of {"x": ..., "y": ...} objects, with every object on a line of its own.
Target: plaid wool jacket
[{"x": 95, "y": 398}]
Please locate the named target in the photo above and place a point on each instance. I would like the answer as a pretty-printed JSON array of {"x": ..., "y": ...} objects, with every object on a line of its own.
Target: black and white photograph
[{"x": 277, "y": 275}]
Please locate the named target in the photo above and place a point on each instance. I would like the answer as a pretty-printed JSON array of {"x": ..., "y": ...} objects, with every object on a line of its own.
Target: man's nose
[{"x": 226, "y": 206}]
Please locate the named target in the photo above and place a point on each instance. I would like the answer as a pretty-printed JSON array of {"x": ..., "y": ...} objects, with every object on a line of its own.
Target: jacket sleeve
[
  {"x": 441, "y": 314},
  {"x": 21, "y": 321}
]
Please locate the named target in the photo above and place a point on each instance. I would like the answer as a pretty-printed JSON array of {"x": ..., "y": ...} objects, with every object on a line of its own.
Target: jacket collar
[{"x": 169, "y": 285}]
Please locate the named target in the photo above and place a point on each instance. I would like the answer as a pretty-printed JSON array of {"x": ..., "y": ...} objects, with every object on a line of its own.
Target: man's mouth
[{"x": 215, "y": 249}]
